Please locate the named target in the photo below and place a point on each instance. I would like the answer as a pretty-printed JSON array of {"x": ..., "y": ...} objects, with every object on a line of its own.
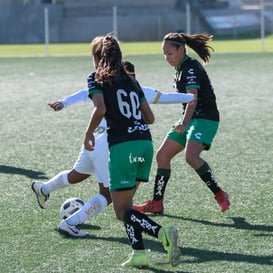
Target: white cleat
[
  {"x": 42, "y": 198},
  {"x": 66, "y": 229}
]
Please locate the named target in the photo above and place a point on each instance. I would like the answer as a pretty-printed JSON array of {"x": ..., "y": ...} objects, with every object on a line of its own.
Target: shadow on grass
[
  {"x": 194, "y": 255},
  {"x": 28, "y": 173},
  {"x": 202, "y": 256},
  {"x": 89, "y": 226},
  {"x": 175, "y": 270},
  {"x": 238, "y": 223},
  {"x": 149, "y": 244},
  {"x": 81, "y": 226}
]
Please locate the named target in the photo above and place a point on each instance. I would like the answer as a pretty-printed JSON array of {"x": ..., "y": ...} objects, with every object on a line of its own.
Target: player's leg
[
  {"x": 98, "y": 162},
  {"x": 140, "y": 154},
  {"x": 200, "y": 139},
  {"x": 135, "y": 223},
  {"x": 91, "y": 208},
  {"x": 122, "y": 201},
  {"x": 61, "y": 180},
  {"x": 82, "y": 169},
  {"x": 166, "y": 152}
]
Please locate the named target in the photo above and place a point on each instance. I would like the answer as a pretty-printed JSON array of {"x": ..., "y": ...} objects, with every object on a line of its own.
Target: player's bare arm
[
  {"x": 96, "y": 117},
  {"x": 188, "y": 112}
]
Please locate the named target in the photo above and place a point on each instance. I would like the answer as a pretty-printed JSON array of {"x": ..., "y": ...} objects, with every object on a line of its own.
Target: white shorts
[{"x": 95, "y": 162}]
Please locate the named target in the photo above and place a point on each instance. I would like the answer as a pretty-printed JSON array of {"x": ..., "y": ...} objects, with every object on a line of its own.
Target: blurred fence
[{"x": 138, "y": 20}]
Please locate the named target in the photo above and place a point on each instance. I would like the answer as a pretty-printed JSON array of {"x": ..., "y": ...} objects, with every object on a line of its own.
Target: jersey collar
[{"x": 182, "y": 62}]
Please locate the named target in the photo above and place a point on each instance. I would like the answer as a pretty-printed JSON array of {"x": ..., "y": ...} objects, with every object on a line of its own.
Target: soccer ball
[{"x": 70, "y": 206}]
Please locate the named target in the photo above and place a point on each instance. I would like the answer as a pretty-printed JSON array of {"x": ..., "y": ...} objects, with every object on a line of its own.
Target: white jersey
[
  {"x": 152, "y": 96},
  {"x": 96, "y": 162},
  {"x": 155, "y": 97}
]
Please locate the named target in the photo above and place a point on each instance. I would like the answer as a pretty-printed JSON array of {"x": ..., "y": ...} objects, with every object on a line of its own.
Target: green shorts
[
  {"x": 130, "y": 162},
  {"x": 198, "y": 130}
]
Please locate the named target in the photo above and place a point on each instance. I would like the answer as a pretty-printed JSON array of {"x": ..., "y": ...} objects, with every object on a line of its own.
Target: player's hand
[
  {"x": 56, "y": 105},
  {"x": 89, "y": 143},
  {"x": 180, "y": 128}
]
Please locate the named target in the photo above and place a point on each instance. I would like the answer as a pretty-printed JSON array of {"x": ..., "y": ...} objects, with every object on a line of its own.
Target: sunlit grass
[
  {"x": 38, "y": 143},
  {"x": 129, "y": 48}
]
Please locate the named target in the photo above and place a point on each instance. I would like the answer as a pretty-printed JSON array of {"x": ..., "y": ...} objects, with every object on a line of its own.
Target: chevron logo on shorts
[{"x": 198, "y": 135}]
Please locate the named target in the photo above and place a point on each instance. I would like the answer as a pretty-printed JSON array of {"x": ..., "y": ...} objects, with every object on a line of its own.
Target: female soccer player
[
  {"x": 119, "y": 98},
  {"x": 92, "y": 163},
  {"x": 196, "y": 127}
]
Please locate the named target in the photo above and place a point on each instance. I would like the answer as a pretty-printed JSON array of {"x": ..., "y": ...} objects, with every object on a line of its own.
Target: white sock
[
  {"x": 89, "y": 210},
  {"x": 57, "y": 182}
]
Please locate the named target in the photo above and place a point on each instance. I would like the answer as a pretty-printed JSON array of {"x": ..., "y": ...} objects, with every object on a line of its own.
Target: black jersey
[
  {"x": 124, "y": 118},
  {"x": 91, "y": 80},
  {"x": 191, "y": 74}
]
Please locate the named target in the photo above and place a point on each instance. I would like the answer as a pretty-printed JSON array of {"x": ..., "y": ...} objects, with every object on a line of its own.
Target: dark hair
[
  {"x": 96, "y": 47},
  {"x": 197, "y": 42},
  {"x": 108, "y": 57},
  {"x": 129, "y": 67}
]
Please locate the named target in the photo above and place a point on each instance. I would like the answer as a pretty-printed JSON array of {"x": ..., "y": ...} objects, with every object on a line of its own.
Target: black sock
[
  {"x": 140, "y": 223},
  {"x": 161, "y": 180},
  {"x": 207, "y": 176},
  {"x": 134, "y": 236}
]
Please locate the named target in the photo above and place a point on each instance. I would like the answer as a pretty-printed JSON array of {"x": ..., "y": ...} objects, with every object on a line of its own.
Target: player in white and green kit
[{"x": 95, "y": 162}]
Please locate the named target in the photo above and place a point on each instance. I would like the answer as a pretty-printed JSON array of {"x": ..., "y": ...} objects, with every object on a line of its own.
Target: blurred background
[{"x": 60, "y": 21}]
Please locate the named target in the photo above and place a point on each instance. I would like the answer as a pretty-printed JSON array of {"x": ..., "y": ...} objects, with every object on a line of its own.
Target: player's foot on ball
[
  {"x": 168, "y": 236},
  {"x": 137, "y": 259},
  {"x": 42, "y": 198},
  {"x": 154, "y": 206},
  {"x": 65, "y": 228},
  {"x": 222, "y": 199}
]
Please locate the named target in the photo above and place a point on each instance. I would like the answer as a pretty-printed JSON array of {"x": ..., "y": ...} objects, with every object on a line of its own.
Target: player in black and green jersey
[
  {"x": 118, "y": 97},
  {"x": 195, "y": 130}
]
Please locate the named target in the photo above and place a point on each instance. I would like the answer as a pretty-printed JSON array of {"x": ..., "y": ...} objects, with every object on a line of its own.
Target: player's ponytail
[
  {"x": 109, "y": 62},
  {"x": 197, "y": 42}
]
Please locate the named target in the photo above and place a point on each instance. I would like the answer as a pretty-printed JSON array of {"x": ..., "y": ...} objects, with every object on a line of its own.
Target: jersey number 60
[{"x": 130, "y": 107}]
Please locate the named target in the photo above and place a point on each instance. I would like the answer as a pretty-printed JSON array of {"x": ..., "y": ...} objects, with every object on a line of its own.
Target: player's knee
[
  {"x": 75, "y": 177},
  {"x": 106, "y": 193},
  {"x": 161, "y": 158},
  {"x": 190, "y": 159}
]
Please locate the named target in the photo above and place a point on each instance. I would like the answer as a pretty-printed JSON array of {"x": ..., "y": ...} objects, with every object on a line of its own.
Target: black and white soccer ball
[{"x": 70, "y": 206}]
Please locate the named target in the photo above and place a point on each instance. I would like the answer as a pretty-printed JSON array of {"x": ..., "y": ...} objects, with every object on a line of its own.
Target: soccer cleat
[
  {"x": 65, "y": 228},
  {"x": 222, "y": 199},
  {"x": 154, "y": 206},
  {"x": 168, "y": 236},
  {"x": 42, "y": 198},
  {"x": 137, "y": 259}
]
